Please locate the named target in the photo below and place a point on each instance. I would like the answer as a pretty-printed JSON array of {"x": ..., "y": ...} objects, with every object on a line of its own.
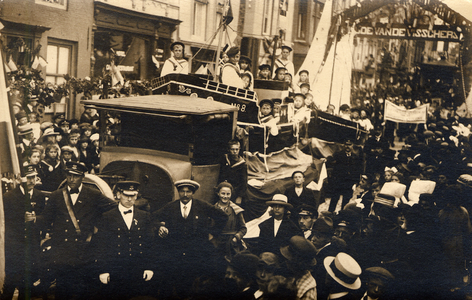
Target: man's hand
[
  {"x": 147, "y": 275},
  {"x": 30, "y": 216},
  {"x": 163, "y": 232},
  {"x": 105, "y": 278}
]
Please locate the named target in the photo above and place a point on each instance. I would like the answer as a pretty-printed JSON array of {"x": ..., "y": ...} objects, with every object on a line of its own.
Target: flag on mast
[{"x": 228, "y": 13}]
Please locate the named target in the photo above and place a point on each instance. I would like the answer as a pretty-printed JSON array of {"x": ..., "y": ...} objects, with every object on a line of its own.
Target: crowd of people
[{"x": 387, "y": 225}]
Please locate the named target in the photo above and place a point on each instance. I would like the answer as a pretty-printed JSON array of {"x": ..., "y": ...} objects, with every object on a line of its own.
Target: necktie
[
  {"x": 185, "y": 212},
  {"x": 74, "y": 191},
  {"x": 128, "y": 212}
]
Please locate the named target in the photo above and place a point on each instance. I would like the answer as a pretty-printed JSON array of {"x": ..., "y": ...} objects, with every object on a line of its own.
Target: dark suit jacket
[
  {"x": 306, "y": 197},
  {"x": 189, "y": 237},
  {"x": 19, "y": 234},
  {"x": 269, "y": 243},
  {"x": 68, "y": 246},
  {"x": 121, "y": 249}
]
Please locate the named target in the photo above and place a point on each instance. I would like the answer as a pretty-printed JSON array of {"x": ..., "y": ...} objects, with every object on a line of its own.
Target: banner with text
[
  {"x": 438, "y": 32},
  {"x": 400, "y": 114}
]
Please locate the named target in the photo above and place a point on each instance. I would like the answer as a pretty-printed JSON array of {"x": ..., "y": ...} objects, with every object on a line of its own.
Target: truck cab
[{"x": 159, "y": 139}]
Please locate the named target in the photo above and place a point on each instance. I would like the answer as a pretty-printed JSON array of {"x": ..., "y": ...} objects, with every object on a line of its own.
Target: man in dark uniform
[
  {"x": 184, "y": 227},
  {"x": 307, "y": 215},
  {"x": 298, "y": 194},
  {"x": 70, "y": 215},
  {"x": 347, "y": 168},
  {"x": 124, "y": 238},
  {"x": 22, "y": 237},
  {"x": 234, "y": 170}
]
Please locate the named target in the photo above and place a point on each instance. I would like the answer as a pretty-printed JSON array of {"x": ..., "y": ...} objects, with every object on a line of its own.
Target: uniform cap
[
  {"x": 175, "y": 44},
  {"x": 76, "y": 168},
  {"x": 129, "y": 188}
]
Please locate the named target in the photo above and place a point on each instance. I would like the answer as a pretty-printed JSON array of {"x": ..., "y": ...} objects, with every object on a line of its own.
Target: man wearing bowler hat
[
  {"x": 176, "y": 63},
  {"x": 124, "y": 256},
  {"x": 277, "y": 231},
  {"x": 184, "y": 229},
  {"x": 22, "y": 238},
  {"x": 300, "y": 255},
  {"x": 70, "y": 216}
]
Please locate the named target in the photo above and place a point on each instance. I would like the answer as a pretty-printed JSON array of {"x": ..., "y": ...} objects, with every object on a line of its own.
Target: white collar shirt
[
  {"x": 276, "y": 226},
  {"x": 23, "y": 191},
  {"x": 73, "y": 197},
  {"x": 298, "y": 190},
  {"x": 128, "y": 217},
  {"x": 185, "y": 209}
]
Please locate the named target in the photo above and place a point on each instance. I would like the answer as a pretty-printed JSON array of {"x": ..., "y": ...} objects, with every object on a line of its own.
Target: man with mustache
[{"x": 185, "y": 227}]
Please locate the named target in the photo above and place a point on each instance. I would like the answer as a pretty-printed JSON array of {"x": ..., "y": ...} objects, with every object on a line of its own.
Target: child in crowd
[
  {"x": 264, "y": 72},
  {"x": 50, "y": 170},
  {"x": 33, "y": 120},
  {"x": 303, "y": 77},
  {"x": 247, "y": 81},
  {"x": 305, "y": 88},
  {"x": 266, "y": 116},
  {"x": 280, "y": 74},
  {"x": 245, "y": 67}
]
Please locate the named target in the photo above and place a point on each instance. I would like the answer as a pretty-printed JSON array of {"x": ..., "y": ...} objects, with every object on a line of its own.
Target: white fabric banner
[{"x": 400, "y": 114}]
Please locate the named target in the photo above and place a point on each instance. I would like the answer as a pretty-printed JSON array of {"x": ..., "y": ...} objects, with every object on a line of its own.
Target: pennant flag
[
  {"x": 155, "y": 61},
  {"x": 228, "y": 16},
  {"x": 11, "y": 64},
  {"x": 116, "y": 76},
  {"x": 7, "y": 69},
  {"x": 42, "y": 62},
  {"x": 35, "y": 63}
]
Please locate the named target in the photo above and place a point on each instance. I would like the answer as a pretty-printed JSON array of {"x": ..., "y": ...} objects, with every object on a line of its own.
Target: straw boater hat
[
  {"x": 25, "y": 129},
  {"x": 279, "y": 199},
  {"x": 344, "y": 270},
  {"x": 193, "y": 185},
  {"x": 49, "y": 131}
]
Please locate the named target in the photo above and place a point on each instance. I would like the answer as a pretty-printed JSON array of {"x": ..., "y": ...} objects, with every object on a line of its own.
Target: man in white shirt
[
  {"x": 184, "y": 228},
  {"x": 125, "y": 260},
  {"x": 176, "y": 63}
]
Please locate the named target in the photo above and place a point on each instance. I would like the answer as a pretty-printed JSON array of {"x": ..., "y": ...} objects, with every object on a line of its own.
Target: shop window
[
  {"x": 59, "y": 57},
  {"x": 199, "y": 18},
  {"x": 61, "y": 4},
  {"x": 302, "y": 19}
]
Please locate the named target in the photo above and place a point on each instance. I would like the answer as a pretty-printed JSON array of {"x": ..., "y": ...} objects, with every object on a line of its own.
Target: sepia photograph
[{"x": 235, "y": 149}]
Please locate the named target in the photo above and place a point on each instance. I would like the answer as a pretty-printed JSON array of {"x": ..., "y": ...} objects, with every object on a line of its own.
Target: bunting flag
[
  {"x": 228, "y": 15},
  {"x": 39, "y": 61},
  {"x": 116, "y": 76},
  {"x": 155, "y": 61},
  {"x": 11, "y": 65},
  {"x": 400, "y": 114}
]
